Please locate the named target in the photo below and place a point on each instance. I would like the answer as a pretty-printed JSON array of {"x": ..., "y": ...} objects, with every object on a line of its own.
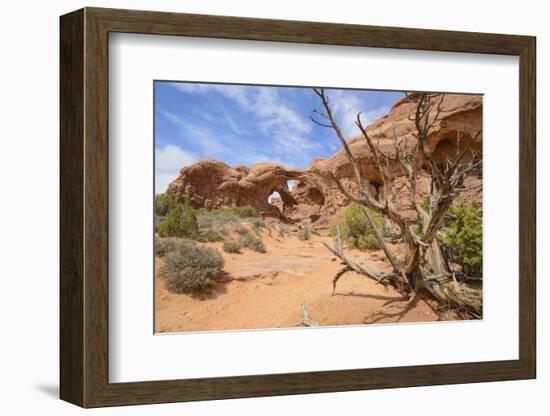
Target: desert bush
[
  {"x": 190, "y": 268},
  {"x": 355, "y": 229},
  {"x": 367, "y": 242},
  {"x": 283, "y": 231},
  {"x": 253, "y": 242},
  {"x": 159, "y": 220},
  {"x": 208, "y": 221},
  {"x": 211, "y": 235},
  {"x": 182, "y": 222},
  {"x": 240, "y": 229},
  {"x": 232, "y": 247},
  {"x": 462, "y": 237},
  {"x": 257, "y": 223},
  {"x": 241, "y": 212},
  {"x": 306, "y": 231},
  {"x": 217, "y": 228},
  {"x": 163, "y": 246},
  {"x": 164, "y": 203}
]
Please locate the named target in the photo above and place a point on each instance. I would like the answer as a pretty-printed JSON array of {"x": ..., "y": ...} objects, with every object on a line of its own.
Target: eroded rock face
[
  {"x": 210, "y": 183},
  {"x": 314, "y": 196}
]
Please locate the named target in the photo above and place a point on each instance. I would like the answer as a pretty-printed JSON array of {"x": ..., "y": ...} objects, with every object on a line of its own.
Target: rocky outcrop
[{"x": 212, "y": 183}]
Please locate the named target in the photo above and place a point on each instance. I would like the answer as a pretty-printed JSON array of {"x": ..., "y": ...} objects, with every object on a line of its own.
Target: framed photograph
[{"x": 255, "y": 207}]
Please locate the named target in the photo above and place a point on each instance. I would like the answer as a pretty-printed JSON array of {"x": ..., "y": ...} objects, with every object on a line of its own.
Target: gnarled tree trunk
[{"x": 424, "y": 271}]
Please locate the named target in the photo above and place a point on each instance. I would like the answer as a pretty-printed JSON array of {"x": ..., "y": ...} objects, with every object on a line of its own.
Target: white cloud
[
  {"x": 346, "y": 106},
  {"x": 287, "y": 128},
  {"x": 202, "y": 135},
  {"x": 276, "y": 114},
  {"x": 238, "y": 93},
  {"x": 168, "y": 163}
]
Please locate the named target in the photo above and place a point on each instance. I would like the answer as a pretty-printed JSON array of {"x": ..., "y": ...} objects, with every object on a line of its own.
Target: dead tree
[{"x": 423, "y": 272}]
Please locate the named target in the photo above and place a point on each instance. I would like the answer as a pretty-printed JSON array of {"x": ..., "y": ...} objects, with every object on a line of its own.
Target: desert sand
[{"x": 261, "y": 291}]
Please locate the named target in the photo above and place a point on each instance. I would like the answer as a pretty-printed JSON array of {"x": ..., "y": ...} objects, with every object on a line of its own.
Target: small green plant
[
  {"x": 164, "y": 203},
  {"x": 181, "y": 223},
  {"x": 355, "y": 229},
  {"x": 306, "y": 231},
  {"x": 232, "y": 247},
  {"x": 463, "y": 237},
  {"x": 190, "y": 268}
]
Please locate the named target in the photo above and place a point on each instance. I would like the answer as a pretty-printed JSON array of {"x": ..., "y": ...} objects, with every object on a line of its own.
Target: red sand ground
[{"x": 268, "y": 289}]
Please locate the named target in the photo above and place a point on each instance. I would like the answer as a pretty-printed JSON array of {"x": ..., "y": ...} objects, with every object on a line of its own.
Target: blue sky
[{"x": 250, "y": 124}]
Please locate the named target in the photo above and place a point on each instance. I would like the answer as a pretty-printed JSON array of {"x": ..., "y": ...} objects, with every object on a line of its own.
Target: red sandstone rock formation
[{"x": 211, "y": 183}]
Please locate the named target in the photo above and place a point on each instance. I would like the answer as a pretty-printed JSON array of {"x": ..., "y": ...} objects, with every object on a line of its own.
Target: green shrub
[
  {"x": 181, "y": 223},
  {"x": 252, "y": 242},
  {"x": 241, "y": 212},
  {"x": 368, "y": 242},
  {"x": 232, "y": 247},
  {"x": 463, "y": 237},
  {"x": 164, "y": 203},
  {"x": 305, "y": 232},
  {"x": 190, "y": 268},
  {"x": 355, "y": 229},
  {"x": 159, "y": 220}
]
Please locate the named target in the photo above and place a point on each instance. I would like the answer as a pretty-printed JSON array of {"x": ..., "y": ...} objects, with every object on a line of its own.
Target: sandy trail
[{"x": 268, "y": 289}]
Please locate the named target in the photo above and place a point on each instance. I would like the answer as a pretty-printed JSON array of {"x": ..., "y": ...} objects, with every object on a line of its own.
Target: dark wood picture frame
[{"x": 84, "y": 207}]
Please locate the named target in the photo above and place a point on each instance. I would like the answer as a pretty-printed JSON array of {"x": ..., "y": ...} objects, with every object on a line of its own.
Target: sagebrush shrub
[
  {"x": 355, "y": 229},
  {"x": 232, "y": 247},
  {"x": 240, "y": 229},
  {"x": 462, "y": 237},
  {"x": 190, "y": 268},
  {"x": 211, "y": 235},
  {"x": 163, "y": 246},
  {"x": 241, "y": 212},
  {"x": 283, "y": 231},
  {"x": 252, "y": 242},
  {"x": 257, "y": 223}
]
